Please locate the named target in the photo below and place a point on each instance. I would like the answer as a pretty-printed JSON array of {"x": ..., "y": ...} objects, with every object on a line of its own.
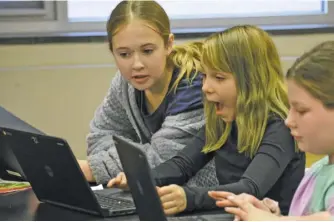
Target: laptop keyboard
[{"x": 108, "y": 202}]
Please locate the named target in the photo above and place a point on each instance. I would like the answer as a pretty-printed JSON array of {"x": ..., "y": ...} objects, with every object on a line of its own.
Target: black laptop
[
  {"x": 9, "y": 167},
  {"x": 55, "y": 176},
  {"x": 143, "y": 190}
]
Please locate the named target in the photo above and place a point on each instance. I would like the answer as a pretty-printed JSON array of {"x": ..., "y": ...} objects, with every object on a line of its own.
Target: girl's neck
[
  {"x": 161, "y": 86},
  {"x": 157, "y": 93}
]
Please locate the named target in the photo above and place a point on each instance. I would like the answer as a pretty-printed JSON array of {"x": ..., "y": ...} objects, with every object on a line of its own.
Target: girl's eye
[
  {"x": 220, "y": 78},
  {"x": 124, "y": 54},
  {"x": 302, "y": 112},
  {"x": 148, "y": 51}
]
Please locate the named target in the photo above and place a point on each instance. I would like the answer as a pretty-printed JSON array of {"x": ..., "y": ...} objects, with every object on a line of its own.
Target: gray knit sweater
[{"x": 119, "y": 115}]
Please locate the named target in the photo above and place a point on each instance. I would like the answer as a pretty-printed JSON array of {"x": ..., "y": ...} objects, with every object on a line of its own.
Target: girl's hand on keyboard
[{"x": 119, "y": 181}]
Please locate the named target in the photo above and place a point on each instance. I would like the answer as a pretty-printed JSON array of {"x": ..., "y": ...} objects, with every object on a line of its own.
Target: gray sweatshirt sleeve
[{"x": 110, "y": 118}]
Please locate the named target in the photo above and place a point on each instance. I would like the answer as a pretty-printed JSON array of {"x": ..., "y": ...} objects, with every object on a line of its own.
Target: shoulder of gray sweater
[
  {"x": 194, "y": 117},
  {"x": 125, "y": 94},
  {"x": 184, "y": 124},
  {"x": 119, "y": 90},
  {"x": 117, "y": 83},
  {"x": 112, "y": 97}
]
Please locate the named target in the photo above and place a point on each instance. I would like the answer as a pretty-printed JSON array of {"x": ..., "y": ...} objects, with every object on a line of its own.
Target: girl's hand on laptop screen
[{"x": 119, "y": 181}]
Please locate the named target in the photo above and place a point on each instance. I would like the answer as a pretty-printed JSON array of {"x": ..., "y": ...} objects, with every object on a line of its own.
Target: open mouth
[
  {"x": 219, "y": 108},
  {"x": 140, "y": 79},
  {"x": 297, "y": 138}
]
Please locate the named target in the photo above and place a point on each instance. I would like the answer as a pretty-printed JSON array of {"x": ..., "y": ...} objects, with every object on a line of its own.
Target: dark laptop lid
[
  {"x": 140, "y": 181},
  {"x": 9, "y": 120},
  {"x": 52, "y": 170},
  {"x": 7, "y": 159},
  {"x": 142, "y": 187}
]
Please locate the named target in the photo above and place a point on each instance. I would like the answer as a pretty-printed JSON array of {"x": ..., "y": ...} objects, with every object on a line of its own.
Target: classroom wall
[{"x": 57, "y": 87}]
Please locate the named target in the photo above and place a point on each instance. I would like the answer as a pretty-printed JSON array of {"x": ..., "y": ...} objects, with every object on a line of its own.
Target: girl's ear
[{"x": 170, "y": 43}]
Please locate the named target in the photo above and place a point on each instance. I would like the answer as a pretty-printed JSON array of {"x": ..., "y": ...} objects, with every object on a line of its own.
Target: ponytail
[{"x": 187, "y": 58}]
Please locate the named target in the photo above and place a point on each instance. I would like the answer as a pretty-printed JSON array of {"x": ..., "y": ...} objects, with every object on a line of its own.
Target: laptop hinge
[{"x": 71, "y": 207}]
